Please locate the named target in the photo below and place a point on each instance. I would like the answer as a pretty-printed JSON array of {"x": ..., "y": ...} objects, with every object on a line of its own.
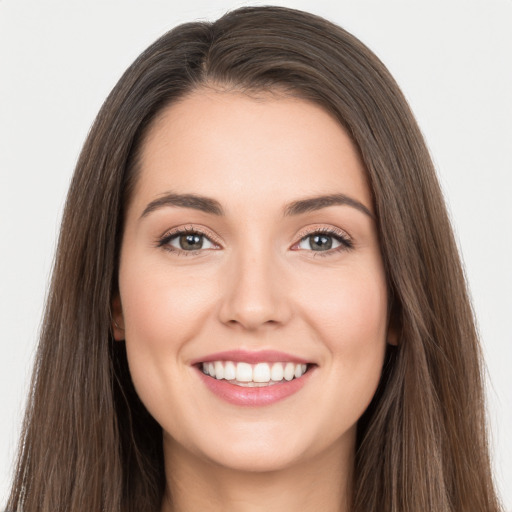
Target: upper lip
[{"x": 246, "y": 356}]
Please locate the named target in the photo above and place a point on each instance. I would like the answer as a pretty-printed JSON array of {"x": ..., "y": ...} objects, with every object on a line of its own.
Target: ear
[
  {"x": 392, "y": 338},
  {"x": 117, "y": 318},
  {"x": 393, "y": 334}
]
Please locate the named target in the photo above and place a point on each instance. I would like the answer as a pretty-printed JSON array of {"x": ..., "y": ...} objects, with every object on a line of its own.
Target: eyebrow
[
  {"x": 212, "y": 206},
  {"x": 318, "y": 202},
  {"x": 204, "y": 204}
]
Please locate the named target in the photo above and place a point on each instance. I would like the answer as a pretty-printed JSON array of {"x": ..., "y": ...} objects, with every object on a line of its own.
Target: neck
[{"x": 320, "y": 483}]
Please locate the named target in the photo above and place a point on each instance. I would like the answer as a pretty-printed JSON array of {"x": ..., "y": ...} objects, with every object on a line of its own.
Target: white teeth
[
  {"x": 259, "y": 374},
  {"x": 229, "y": 371},
  {"x": 243, "y": 372},
  {"x": 219, "y": 370},
  {"x": 289, "y": 371},
  {"x": 277, "y": 372}
]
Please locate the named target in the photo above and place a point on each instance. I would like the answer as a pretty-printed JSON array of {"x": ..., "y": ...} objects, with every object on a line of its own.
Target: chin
[
  {"x": 264, "y": 448},
  {"x": 256, "y": 460}
]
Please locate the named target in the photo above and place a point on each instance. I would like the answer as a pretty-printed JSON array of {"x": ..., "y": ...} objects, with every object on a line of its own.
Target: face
[{"x": 252, "y": 294}]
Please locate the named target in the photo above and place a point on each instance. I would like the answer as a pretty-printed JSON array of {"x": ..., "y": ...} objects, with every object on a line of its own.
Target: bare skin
[
  {"x": 200, "y": 485},
  {"x": 267, "y": 270}
]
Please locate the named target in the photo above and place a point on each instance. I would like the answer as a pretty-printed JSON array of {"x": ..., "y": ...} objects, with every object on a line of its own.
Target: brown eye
[
  {"x": 190, "y": 242},
  {"x": 320, "y": 242},
  {"x": 187, "y": 241},
  {"x": 325, "y": 241}
]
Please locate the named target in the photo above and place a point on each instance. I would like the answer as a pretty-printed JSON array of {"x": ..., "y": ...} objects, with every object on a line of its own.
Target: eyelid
[
  {"x": 328, "y": 230},
  {"x": 344, "y": 238},
  {"x": 190, "y": 228}
]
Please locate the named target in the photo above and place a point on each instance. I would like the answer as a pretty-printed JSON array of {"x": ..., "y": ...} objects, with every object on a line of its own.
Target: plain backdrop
[{"x": 60, "y": 58}]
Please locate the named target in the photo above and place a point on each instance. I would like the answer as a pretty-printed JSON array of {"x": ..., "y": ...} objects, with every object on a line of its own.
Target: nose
[{"x": 254, "y": 293}]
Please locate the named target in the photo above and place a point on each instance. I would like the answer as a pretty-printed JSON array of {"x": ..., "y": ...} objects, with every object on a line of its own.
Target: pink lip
[
  {"x": 261, "y": 356},
  {"x": 254, "y": 397}
]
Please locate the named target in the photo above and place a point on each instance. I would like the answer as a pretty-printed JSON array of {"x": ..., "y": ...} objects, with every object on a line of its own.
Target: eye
[
  {"x": 324, "y": 241},
  {"x": 186, "y": 241}
]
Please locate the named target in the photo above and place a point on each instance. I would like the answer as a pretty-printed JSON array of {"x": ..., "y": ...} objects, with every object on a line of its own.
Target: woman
[{"x": 257, "y": 302}]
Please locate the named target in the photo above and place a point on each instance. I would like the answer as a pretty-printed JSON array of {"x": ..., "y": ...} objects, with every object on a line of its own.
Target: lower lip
[{"x": 254, "y": 397}]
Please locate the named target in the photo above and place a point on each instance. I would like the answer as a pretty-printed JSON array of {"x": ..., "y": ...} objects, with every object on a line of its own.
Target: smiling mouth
[{"x": 254, "y": 375}]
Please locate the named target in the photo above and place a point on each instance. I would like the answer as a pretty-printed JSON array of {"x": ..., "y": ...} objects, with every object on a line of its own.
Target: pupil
[
  {"x": 191, "y": 242},
  {"x": 321, "y": 242}
]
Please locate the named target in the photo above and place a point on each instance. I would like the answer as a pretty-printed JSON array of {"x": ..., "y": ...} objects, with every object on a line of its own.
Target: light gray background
[{"x": 59, "y": 60}]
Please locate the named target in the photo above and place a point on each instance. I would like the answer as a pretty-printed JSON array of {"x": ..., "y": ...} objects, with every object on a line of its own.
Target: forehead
[{"x": 239, "y": 149}]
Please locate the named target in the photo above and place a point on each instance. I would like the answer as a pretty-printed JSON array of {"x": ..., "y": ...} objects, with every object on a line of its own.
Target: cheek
[
  {"x": 349, "y": 307},
  {"x": 354, "y": 330},
  {"x": 161, "y": 306},
  {"x": 349, "y": 315},
  {"x": 163, "y": 311}
]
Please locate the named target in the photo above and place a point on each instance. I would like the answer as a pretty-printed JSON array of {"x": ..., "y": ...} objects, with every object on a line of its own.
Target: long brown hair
[{"x": 89, "y": 444}]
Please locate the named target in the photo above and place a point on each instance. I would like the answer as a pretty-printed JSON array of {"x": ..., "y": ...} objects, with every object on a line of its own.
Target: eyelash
[
  {"x": 344, "y": 240},
  {"x": 346, "y": 243},
  {"x": 166, "y": 239}
]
